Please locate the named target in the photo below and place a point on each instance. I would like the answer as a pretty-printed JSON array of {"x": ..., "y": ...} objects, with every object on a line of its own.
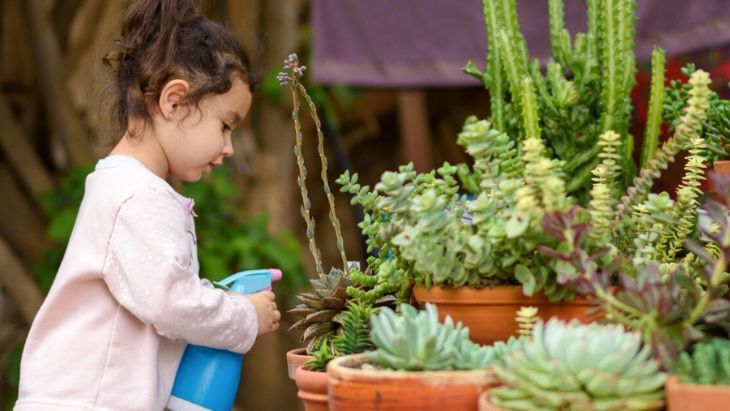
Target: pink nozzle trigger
[{"x": 275, "y": 275}]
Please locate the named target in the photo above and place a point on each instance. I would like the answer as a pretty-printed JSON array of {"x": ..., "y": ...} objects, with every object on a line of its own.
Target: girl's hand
[{"x": 266, "y": 311}]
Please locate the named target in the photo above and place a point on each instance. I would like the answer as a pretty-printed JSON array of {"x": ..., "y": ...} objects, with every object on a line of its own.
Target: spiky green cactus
[
  {"x": 708, "y": 363},
  {"x": 575, "y": 366},
  {"x": 354, "y": 336},
  {"x": 416, "y": 341}
]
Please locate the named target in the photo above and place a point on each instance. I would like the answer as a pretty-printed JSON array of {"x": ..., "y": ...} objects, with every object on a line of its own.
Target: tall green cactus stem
[
  {"x": 511, "y": 24},
  {"x": 291, "y": 63},
  {"x": 594, "y": 27},
  {"x": 559, "y": 36},
  {"x": 690, "y": 127},
  {"x": 604, "y": 185},
  {"x": 529, "y": 109},
  {"x": 610, "y": 53},
  {"x": 325, "y": 183},
  {"x": 656, "y": 106},
  {"x": 493, "y": 75},
  {"x": 515, "y": 70}
]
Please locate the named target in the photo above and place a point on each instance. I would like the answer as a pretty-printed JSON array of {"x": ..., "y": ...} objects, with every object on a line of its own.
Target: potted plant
[
  {"x": 340, "y": 302},
  {"x": 468, "y": 237},
  {"x": 703, "y": 378},
  {"x": 418, "y": 363},
  {"x": 578, "y": 366},
  {"x": 354, "y": 337}
]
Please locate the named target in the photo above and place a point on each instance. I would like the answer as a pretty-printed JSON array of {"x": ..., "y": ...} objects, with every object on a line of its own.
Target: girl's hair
[{"x": 167, "y": 39}]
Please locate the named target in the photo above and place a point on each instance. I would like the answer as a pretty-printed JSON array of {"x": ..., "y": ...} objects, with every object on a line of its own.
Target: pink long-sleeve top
[{"x": 126, "y": 300}]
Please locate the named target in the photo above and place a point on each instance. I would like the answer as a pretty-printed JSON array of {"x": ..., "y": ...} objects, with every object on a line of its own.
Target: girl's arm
[{"x": 146, "y": 271}]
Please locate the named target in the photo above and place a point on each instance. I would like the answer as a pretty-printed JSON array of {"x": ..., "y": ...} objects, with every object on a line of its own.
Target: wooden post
[
  {"x": 273, "y": 187},
  {"x": 17, "y": 149},
  {"x": 18, "y": 283},
  {"x": 415, "y": 134},
  {"x": 52, "y": 83}
]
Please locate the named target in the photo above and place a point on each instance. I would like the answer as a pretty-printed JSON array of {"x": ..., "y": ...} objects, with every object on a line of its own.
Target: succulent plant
[
  {"x": 708, "y": 363},
  {"x": 320, "y": 309},
  {"x": 321, "y": 356},
  {"x": 573, "y": 366},
  {"x": 352, "y": 337},
  {"x": 417, "y": 341}
]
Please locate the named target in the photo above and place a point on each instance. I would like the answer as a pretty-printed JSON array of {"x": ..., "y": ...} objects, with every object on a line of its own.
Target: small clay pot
[
  {"x": 312, "y": 388},
  {"x": 295, "y": 358},
  {"x": 694, "y": 397},
  {"x": 718, "y": 167},
  {"x": 352, "y": 388}
]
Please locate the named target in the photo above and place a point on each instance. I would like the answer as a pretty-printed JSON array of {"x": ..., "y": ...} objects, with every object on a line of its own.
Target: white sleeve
[{"x": 145, "y": 271}]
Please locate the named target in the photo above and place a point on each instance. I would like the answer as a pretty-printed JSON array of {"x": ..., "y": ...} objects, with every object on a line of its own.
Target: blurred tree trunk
[
  {"x": 265, "y": 384},
  {"x": 51, "y": 76},
  {"x": 273, "y": 187}
]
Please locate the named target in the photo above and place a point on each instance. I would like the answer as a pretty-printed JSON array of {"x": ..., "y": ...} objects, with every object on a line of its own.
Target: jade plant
[
  {"x": 320, "y": 310},
  {"x": 421, "y": 224},
  {"x": 573, "y": 366},
  {"x": 417, "y": 341},
  {"x": 708, "y": 363}
]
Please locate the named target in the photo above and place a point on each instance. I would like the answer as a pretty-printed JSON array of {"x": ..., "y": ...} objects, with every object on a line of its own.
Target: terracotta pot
[
  {"x": 490, "y": 312},
  {"x": 312, "y": 388},
  {"x": 486, "y": 405},
  {"x": 718, "y": 167},
  {"x": 354, "y": 389},
  {"x": 295, "y": 358},
  {"x": 694, "y": 397}
]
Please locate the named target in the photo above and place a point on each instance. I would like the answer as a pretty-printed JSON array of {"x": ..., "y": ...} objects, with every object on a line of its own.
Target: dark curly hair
[{"x": 166, "y": 39}]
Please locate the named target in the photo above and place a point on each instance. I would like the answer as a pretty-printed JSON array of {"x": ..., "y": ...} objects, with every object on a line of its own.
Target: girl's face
[{"x": 196, "y": 141}]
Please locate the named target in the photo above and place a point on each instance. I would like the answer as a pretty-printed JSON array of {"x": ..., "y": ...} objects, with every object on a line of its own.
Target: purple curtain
[{"x": 425, "y": 43}]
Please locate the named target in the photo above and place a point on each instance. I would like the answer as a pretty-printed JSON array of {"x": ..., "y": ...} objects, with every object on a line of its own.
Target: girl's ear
[{"x": 172, "y": 97}]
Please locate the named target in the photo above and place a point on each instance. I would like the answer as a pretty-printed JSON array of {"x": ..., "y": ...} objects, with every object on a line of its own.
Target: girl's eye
[{"x": 226, "y": 127}]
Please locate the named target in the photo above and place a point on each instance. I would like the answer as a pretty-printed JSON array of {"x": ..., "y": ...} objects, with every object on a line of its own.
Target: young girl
[{"x": 127, "y": 298}]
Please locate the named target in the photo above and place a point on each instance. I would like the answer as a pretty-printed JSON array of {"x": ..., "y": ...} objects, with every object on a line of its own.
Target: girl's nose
[{"x": 228, "y": 147}]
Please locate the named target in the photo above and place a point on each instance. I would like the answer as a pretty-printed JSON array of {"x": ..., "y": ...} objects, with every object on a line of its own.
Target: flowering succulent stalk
[
  {"x": 290, "y": 76},
  {"x": 690, "y": 127},
  {"x": 526, "y": 319}
]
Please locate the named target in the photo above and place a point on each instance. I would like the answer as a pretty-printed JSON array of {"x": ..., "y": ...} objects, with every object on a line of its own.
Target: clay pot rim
[
  {"x": 673, "y": 381},
  {"x": 304, "y": 370},
  {"x": 486, "y": 396},
  {"x": 499, "y": 294},
  {"x": 298, "y": 351},
  {"x": 344, "y": 368}
]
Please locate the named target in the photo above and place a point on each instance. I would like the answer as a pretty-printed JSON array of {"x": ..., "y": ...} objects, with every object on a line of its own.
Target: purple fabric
[{"x": 425, "y": 43}]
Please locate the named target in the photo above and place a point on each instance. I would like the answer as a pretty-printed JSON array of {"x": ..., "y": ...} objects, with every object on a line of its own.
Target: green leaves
[
  {"x": 416, "y": 341},
  {"x": 575, "y": 366}
]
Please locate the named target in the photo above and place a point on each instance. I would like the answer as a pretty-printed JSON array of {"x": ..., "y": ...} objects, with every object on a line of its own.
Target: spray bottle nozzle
[{"x": 251, "y": 281}]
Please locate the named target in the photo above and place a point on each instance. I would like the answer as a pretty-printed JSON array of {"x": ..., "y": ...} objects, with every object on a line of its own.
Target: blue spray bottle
[{"x": 208, "y": 378}]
